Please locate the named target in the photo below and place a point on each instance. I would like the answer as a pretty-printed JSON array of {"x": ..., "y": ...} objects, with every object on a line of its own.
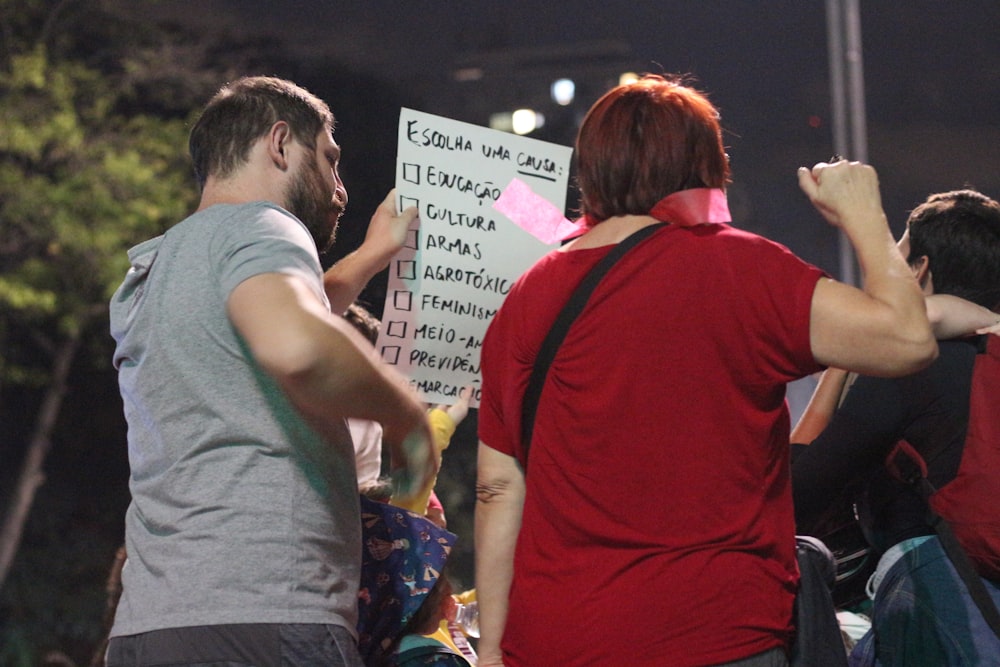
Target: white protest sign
[{"x": 461, "y": 257}]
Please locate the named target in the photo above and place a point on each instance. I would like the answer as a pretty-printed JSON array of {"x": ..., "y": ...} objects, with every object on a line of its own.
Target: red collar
[
  {"x": 693, "y": 207},
  {"x": 684, "y": 208}
]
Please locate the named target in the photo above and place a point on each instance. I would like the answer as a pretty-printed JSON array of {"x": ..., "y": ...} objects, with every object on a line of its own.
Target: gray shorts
[{"x": 237, "y": 645}]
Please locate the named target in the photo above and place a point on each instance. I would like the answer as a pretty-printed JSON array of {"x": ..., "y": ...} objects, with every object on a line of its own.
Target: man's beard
[{"x": 311, "y": 201}]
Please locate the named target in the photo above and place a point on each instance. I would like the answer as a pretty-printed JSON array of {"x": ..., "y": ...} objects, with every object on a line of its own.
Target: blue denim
[{"x": 923, "y": 616}]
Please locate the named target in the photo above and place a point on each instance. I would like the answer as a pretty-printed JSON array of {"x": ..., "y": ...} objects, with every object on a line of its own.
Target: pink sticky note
[{"x": 533, "y": 213}]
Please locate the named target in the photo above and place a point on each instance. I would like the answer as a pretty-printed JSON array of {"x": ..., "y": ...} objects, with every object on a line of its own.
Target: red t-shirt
[{"x": 657, "y": 525}]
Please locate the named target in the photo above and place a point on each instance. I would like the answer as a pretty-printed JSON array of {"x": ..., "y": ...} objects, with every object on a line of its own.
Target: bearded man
[{"x": 237, "y": 373}]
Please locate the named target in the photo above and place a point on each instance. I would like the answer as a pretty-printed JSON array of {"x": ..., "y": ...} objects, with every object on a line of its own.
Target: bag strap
[
  {"x": 906, "y": 464},
  {"x": 423, "y": 651},
  {"x": 560, "y": 328}
]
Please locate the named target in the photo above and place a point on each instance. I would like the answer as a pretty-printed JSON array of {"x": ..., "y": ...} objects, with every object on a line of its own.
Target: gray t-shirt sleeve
[{"x": 269, "y": 240}]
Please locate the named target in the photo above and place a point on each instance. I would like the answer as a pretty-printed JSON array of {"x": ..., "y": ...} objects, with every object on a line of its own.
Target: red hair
[{"x": 643, "y": 141}]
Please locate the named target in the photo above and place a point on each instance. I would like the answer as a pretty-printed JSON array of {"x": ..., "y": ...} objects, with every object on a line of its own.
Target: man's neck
[{"x": 238, "y": 191}]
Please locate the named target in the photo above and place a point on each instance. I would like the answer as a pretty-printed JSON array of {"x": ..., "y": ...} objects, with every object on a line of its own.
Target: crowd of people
[{"x": 657, "y": 525}]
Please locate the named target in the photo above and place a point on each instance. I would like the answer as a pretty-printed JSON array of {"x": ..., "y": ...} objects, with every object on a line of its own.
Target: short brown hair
[
  {"x": 245, "y": 110},
  {"x": 643, "y": 141}
]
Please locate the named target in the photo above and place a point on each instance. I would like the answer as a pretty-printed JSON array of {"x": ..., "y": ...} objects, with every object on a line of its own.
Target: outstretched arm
[
  {"x": 499, "y": 501},
  {"x": 880, "y": 330},
  {"x": 327, "y": 369},
  {"x": 386, "y": 234},
  {"x": 954, "y": 317},
  {"x": 949, "y": 316},
  {"x": 443, "y": 420}
]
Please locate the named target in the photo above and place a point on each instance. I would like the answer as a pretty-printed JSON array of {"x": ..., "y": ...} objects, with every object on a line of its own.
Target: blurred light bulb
[
  {"x": 524, "y": 121},
  {"x": 502, "y": 121},
  {"x": 563, "y": 91}
]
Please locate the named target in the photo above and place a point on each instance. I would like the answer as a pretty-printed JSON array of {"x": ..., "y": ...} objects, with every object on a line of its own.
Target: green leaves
[
  {"x": 86, "y": 172},
  {"x": 79, "y": 185}
]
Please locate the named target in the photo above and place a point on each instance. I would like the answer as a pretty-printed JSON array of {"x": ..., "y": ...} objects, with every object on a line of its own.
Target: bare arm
[
  {"x": 953, "y": 317},
  {"x": 386, "y": 234},
  {"x": 327, "y": 369},
  {"x": 883, "y": 329},
  {"x": 443, "y": 420},
  {"x": 822, "y": 405},
  {"x": 499, "y": 501},
  {"x": 949, "y": 316}
]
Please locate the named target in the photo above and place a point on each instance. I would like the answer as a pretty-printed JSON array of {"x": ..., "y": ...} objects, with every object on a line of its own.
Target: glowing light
[
  {"x": 627, "y": 78},
  {"x": 526, "y": 120},
  {"x": 502, "y": 121},
  {"x": 563, "y": 91},
  {"x": 468, "y": 74}
]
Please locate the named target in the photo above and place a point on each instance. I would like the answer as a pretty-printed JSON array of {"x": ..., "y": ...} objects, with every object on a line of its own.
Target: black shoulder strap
[
  {"x": 977, "y": 589},
  {"x": 564, "y": 320},
  {"x": 908, "y": 466}
]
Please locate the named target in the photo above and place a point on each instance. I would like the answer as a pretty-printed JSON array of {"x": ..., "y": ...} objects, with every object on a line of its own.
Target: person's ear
[
  {"x": 922, "y": 270},
  {"x": 278, "y": 139}
]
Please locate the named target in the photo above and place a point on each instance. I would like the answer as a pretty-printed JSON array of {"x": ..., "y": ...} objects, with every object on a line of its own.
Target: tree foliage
[
  {"x": 80, "y": 182},
  {"x": 78, "y": 185},
  {"x": 85, "y": 173}
]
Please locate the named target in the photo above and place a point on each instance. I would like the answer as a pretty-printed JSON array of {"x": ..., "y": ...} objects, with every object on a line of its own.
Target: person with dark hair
[
  {"x": 923, "y": 614},
  {"x": 237, "y": 373},
  {"x": 652, "y": 520}
]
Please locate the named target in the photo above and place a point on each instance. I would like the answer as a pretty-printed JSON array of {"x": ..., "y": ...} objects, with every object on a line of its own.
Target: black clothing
[{"x": 929, "y": 409}]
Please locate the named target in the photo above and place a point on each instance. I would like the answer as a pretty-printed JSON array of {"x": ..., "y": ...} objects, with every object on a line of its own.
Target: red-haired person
[{"x": 656, "y": 520}]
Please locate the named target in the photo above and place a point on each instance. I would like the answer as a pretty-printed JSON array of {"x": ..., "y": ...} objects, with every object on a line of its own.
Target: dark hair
[
  {"x": 364, "y": 321},
  {"x": 959, "y": 232},
  {"x": 379, "y": 490},
  {"x": 245, "y": 110},
  {"x": 643, "y": 141}
]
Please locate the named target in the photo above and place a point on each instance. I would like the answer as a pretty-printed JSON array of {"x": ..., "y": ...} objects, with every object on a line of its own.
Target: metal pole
[
  {"x": 847, "y": 92},
  {"x": 856, "y": 81},
  {"x": 838, "y": 87}
]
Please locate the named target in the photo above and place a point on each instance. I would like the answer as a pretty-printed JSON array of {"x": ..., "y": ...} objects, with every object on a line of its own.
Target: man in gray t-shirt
[{"x": 243, "y": 535}]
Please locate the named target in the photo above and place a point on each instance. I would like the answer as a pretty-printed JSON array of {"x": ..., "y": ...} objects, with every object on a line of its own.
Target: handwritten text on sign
[{"x": 461, "y": 257}]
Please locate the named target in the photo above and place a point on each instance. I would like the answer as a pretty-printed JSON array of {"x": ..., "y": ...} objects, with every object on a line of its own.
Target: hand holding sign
[{"x": 460, "y": 258}]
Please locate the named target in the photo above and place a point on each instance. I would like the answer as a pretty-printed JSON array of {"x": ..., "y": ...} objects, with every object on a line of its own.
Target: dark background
[
  {"x": 932, "y": 95},
  {"x": 931, "y": 69}
]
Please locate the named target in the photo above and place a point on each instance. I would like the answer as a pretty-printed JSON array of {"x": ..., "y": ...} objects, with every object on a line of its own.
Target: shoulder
[
  {"x": 243, "y": 220},
  {"x": 558, "y": 260},
  {"x": 748, "y": 243},
  {"x": 946, "y": 379},
  {"x": 530, "y": 292},
  {"x": 955, "y": 357},
  {"x": 262, "y": 224},
  {"x": 256, "y": 238},
  {"x": 962, "y": 348},
  {"x": 272, "y": 217},
  {"x": 954, "y": 364}
]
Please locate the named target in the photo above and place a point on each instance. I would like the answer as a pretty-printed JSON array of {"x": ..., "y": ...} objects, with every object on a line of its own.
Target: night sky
[{"x": 931, "y": 68}]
